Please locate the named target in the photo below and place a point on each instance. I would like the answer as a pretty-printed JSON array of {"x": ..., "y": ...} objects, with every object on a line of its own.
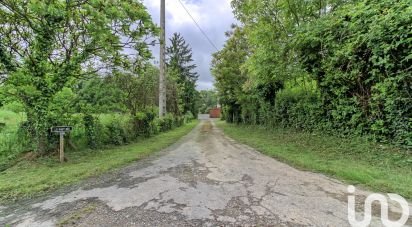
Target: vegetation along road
[
  {"x": 205, "y": 178},
  {"x": 99, "y": 100}
]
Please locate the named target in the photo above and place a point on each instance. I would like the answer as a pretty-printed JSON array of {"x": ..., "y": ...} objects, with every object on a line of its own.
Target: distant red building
[{"x": 215, "y": 112}]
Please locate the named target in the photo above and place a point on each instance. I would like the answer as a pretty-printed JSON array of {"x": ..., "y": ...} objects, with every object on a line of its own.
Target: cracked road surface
[{"x": 205, "y": 179}]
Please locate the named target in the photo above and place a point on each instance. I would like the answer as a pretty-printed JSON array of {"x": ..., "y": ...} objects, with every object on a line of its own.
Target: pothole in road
[{"x": 191, "y": 174}]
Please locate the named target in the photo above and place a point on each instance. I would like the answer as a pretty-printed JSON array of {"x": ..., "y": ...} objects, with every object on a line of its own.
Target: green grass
[
  {"x": 28, "y": 179},
  {"x": 356, "y": 161},
  {"x": 107, "y": 118},
  {"x": 11, "y": 119},
  {"x": 10, "y": 145}
]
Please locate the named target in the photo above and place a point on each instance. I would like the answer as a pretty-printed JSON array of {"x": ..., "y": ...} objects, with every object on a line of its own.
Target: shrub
[
  {"x": 155, "y": 126},
  {"x": 91, "y": 131},
  {"x": 11, "y": 146},
  {"x": 143, "y": 124},
  {"x": 166, "y": 123},
  {"x": 361, "y": 57},
  {"x": 188, "y": 117},
  {"x": 2, "y": 126},
  {"x": 298, "y": 109},
  {"x": 16, "y": 107},
  {"x": 25, "y": 134},
  {"x": 116, "y": 134},
  {"x": 118, "y": 130}
]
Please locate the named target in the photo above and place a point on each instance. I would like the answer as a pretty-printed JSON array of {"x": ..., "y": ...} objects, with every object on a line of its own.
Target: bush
[
  {"x": 11, "y": 146},
  {"x": 144, "y": 124},
  {"x": 13, "y": 142},
  {"x": 116, "y": 134},
  {"x": 188, "y": 117},
  {"x": 361, "y": 57},
  {"x": 90, "y": 131},
  {"x": 16, "y": 107},
  {"x": 123, "y": 129},
  {"x": 298, "y": 109},
  {"x": 166, "y": 123},
  {"x": 25, "y": 135},
  {"x": 2, "y": 126}
]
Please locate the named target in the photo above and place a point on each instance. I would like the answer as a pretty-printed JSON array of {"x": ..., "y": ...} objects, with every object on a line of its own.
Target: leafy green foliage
[
  {"x": 10, "y": 143},
  {"x": 360, "y": 57},
  {"x": 45, "y": 46},
  {"x": 84, "y": 64},
  {"x": 15, "y": 107},
  {"x": 180, "y": 70},
  {"x": 207, "y": 100},
  {"x": 341, "y": 67},
  {"x": 146, "y": 124},
  {"x": 29, "y": 179},
  {"x": 91, "y": 131},
  {"x": 138, "y": 88},
  {"x": 226, "y": 65},
  {"x": 98, "y": 95}
]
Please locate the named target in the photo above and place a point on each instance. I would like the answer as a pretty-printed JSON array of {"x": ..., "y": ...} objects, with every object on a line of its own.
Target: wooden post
[
  {"x": 61, "y": 130},
  {"x": 61, "y": 152}
]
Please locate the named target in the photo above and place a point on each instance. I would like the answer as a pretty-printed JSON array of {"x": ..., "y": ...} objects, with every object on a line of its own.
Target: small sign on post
[{"x": 61, "y": 130}]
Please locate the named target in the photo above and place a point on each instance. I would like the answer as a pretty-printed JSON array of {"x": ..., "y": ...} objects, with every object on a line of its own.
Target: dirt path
[{"x": 205, "y": 179}]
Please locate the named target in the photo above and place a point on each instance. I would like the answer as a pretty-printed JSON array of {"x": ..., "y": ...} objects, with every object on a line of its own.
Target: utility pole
[{"x": 162, "y": 77}]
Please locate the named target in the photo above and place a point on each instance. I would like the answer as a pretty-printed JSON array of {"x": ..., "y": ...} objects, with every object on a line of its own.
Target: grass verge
[
  {"x": 356, "y": 161},
  {"x": 28, "y": 179}
]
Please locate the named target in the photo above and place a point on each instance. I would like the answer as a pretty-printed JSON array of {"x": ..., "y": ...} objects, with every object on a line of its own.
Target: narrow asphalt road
[{"x": 205, "y": 179}]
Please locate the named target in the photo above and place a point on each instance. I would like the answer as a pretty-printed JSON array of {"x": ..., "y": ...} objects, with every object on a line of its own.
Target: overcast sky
[{"x": 213, "y": 16}]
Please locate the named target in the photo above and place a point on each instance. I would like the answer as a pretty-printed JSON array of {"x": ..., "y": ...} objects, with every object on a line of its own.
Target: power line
[{"x": 197, "y": 25}]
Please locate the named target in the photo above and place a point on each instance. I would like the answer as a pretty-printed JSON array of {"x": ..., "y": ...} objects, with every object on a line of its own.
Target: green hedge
[
  {"x": 124, "y": 129},
  {"x": 361, "y": 58},
  {"x": 357, "y": 55},
  {"x": 89, "y": 131}
]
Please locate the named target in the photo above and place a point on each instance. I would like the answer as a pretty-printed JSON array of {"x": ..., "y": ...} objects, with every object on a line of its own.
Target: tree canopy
[
  {"x": 46, "y": 45},
  {"x": 180, "y": 68},
  {"x": 340, "y": 66}
]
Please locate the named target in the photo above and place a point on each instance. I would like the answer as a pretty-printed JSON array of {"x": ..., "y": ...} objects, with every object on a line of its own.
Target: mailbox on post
[{"x": 61, "y": 130}]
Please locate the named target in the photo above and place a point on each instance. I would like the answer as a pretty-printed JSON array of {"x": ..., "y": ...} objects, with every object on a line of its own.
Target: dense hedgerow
[
  {"x": 89, "y": 131},
  {"x": 361, "y": 58},
  {"x": 342, "y": 68},
  {"x": 124, "y": 129}
]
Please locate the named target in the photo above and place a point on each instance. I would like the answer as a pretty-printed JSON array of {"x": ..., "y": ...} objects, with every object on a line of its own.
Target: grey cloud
[{"x": 214, "y": 19}]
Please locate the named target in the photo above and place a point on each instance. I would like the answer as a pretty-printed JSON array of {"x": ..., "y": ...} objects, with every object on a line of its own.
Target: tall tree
[
  {"x": 226, "y": 69},
  {"x": 98, "y": 94},
  {"x": 270, "y": 27},
  {"x": 337, "y": 65},
  {"x": 361, "y": 58},
  {"x": 139, "y": 87},
  {"x": 46, "y": 45},
  {"x": 181, "y": 67}
]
